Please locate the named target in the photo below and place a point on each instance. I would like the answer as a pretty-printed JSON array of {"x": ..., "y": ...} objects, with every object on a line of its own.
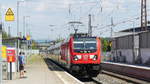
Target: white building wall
[
  {"x": 126, "y": 54},
  {"x": 145, "y": 55}
]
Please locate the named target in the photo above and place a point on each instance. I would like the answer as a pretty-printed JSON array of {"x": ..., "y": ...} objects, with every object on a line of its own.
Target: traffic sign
[{"x": 9, "y": 16}]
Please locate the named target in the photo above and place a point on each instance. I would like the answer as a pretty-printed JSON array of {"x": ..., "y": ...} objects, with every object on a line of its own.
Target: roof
[
  {"x": 12, "y": 38},
  {"x": 136, "y": 29},
  {"x": 130, "y": 31}
]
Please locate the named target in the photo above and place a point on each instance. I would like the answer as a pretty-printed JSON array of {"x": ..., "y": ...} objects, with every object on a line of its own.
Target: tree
[
  {"x": 34, "y": 45},
  {"x": 104, "y": 44},
  {"x": 5, "y": 35}
]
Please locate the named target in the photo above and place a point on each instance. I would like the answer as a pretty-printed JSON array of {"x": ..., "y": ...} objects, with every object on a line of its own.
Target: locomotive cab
[
  {"x": 85, "y": 57},
  {"x": 80, "y": 54}
]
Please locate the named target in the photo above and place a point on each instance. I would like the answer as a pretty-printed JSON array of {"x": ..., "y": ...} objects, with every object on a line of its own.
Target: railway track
[
  {"x": 105, "y": 77},
  {"x": 108, "y": 79},
  {"x": 129, "y": 73},
  {"x": 110, "y": 76},
  {"x": 85, "y": 80},
  {"x": 90, "y": 81}
]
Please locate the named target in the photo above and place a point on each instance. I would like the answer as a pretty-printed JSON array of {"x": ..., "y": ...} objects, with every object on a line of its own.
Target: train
[{"x": 80, "y": 54}]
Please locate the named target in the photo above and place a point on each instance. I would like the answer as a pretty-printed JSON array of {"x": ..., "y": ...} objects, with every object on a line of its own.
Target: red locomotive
[{"x": 80, "y": 54}]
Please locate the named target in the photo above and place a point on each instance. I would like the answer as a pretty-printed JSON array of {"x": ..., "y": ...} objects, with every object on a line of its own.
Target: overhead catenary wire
[
  {"x": 122, "y": 22},
  {"x": 93, "y": 9},
  {"x": 90, "y": 9}
]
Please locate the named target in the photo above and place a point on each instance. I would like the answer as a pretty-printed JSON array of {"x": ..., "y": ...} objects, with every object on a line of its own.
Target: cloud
[
  {"x": 49, "y": 11},
  {"x": 107, "y": 6},
  {"x": 61, "y": 4},
  {"x": 41, "y": 7},
  {"x": 49, "y": 4}
]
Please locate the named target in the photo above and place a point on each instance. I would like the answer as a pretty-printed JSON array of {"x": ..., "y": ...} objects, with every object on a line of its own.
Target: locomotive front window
[
  {"x": 90, "y": 45},
  {"x": 84, "y": 44},
  {"x": 78, "y": 45}
]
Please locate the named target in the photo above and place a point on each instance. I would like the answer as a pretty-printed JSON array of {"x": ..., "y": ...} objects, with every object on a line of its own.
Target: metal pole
[
  {"x": 10, "y": 70},
  {"x": 1, "y": 71},
  {"x": 24, "y": 35},
  {"x": 143, "y": 15},
  {"x": 17, "y": 18},
  {"x": 18, "y": 43},
  {"x": 1, "y": 75},
  {"x": 90, "y": 27},
  {"x": 134, "y": 49},
  {"x": 17, "y": 35},
  {"x": 26, "y": 42},
  {"x": 0, "y": 54},
  {"x": 112, "y": 25},
  {"x": 24, "y": 22}
]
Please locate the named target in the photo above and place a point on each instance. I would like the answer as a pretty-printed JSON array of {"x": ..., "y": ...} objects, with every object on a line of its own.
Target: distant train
[{"x": 80, "y": 54}]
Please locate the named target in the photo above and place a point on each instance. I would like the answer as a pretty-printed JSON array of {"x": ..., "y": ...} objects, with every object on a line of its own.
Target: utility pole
[
  {"x": 112, "y": 25},
  {"x": 90, "y": 27},
  {"x": 143, "y": 15}
]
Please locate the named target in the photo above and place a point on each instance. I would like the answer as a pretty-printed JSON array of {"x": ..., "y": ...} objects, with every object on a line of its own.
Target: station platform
[{"x": 40, "y": 72}]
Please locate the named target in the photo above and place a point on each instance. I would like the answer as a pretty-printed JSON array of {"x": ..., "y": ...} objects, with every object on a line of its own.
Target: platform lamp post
[
  {"x": 25, "y": 34},
  {"x": 24, "y": 24},
  {"x": 51, "y": 26},
  {"x": 18, "y": 35}
]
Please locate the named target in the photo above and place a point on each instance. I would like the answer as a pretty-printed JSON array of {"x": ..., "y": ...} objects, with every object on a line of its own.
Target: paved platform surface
[{"x": 39, "y": 73}]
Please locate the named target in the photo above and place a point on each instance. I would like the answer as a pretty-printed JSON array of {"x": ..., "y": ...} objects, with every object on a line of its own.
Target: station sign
[{"x": 11, "y": 55}]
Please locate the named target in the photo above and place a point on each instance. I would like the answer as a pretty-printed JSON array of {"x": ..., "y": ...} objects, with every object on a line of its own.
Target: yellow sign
[
  {"x": 28, "y": 37},
  {"x": 4, "y": 54},
  {"x": 9, "y": 16}
]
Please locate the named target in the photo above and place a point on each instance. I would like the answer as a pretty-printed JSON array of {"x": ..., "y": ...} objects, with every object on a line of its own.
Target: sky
[{"x": 48, "y": 19}]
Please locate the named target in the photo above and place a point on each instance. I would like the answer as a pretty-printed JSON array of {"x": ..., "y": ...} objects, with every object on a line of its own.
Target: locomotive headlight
[
  {"x": 91, "y": 56},
  {"x": 77, "y": 57},
  {"x": 94, "y": 57}
]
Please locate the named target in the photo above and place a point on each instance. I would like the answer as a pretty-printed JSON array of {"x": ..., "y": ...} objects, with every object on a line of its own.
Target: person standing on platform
[{"x": 21, "y": 64}]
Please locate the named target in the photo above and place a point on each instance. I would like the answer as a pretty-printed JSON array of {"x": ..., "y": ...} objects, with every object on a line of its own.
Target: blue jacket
[{"x": 21, "y": 59}]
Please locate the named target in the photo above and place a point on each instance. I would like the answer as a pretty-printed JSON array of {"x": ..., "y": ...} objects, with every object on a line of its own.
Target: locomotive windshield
[{"x": 85, "y": 45}]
